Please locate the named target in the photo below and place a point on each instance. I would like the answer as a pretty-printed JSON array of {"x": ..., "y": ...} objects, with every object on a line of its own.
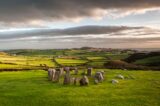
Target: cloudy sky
[{"x": 46, "y": 24}]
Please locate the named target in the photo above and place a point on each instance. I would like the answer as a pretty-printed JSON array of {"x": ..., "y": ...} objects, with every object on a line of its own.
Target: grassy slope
[
  {"x": 149, "y": 60},
  {"x": 32, "y": 88}
]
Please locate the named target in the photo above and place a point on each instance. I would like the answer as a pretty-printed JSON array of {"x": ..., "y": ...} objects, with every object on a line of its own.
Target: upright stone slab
[
  {"x": 99, "y": 76},
  {"x": 50, "y": 74},
  {"x": 61, "y": 71},
  {"x": 102, "y": 72},
  {"x": 75, "y": 81},
  {"x": 89, "y": 72},
  {"x": 57, "y": 76},
  {"x": 53, "y": 74},
  {"x": 76, "y": 71},
  {"x": 84, "y": 81},
  {"x": 67, "y": 70},
  {"x": 66, "y": 79}
]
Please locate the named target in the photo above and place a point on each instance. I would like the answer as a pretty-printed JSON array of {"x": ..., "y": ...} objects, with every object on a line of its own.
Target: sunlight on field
[
  {"x": 70, "y": 61},
  {"x": 32, "y": 88},
  {"x": 8, "y": 62}
]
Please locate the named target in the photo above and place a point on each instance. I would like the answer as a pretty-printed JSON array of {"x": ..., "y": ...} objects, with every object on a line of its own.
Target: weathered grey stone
[
  {"x": 96, "y": 81},
  {"x": 99, "y": 76},
  {"x": 102, "y": 72},
  {"x": 67, "y": 70},
  {"x": 51, "y": 73},
  {"x": 84, "y": 81},
  {"x": 75, "y": 81},
  {"x": 66, "y": 79},
  {"x": 114, "y": 81},
  {"x": 61, "y": 70},
  {"x": 56, "y": 76},
  {"x": 76, "y": 71},
  {"x": 120, "y": 76},
  {"x": 89, "y": 72}
]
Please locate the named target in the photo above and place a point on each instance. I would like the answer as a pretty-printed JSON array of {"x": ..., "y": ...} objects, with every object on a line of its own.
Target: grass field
[
  {"x": 32, "y": 88},
  {"x": 149, "y": 60},
  {"x": 70, "y": 62},
  {"x": 54, "y": 58},
  {"x": 20, "y": 62}
]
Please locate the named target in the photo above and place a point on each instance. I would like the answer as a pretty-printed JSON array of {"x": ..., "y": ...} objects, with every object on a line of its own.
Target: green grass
[
  {"x": 12, "y": 66},
  {"x": 97, "y": 58},
  {"x": 32, "y": 88},
  {"x": 117, "y": 56},
  {"x": 149, "y": 60},
  {"x": 70, "y": 61},
  {"x": 25, "y": 60}
]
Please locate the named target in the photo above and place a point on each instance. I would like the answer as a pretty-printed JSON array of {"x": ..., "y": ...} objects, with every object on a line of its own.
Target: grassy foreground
[{"x": 32, "y": 88}]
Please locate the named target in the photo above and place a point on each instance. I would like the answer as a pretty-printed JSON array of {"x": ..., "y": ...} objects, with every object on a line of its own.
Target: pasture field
[
  {"x": 149, "y": 61},
  {"x": 70, "y": 62},
  {"x": 13, "y": 66},
  {"x": 23, "y": 62},
  {"x": 68, "y": 57},
  {"x": 32, "y": 88},
  {"x": 96, "y": 58}
]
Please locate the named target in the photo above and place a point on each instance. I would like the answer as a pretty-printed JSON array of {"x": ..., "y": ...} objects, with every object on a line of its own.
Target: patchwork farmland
[{"x": 24, "y": 79}]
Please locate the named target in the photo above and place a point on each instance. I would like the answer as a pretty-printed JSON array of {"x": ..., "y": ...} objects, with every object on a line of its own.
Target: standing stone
[
  {"x": 84, "y": 81},
  {"x": 102, "y": 72},
  {"x": 75, "y": 81},
  {"x": 89, "y": 72},
  {"x": 61, "y": 71},
  {"x": 76, "y": 71},
  {"x": 99, "y": 76},
  {"x": 67, "y": 69},
  {"x": 56, "y": 76},
  {"x": 51, "y": 74},
  {"x": 66, "y": 79}
]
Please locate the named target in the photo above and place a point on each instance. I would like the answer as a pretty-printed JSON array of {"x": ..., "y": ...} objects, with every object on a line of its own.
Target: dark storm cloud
[
  {"x": 75, "y": 31},
  {"x": 96, "y": 36},
  {"x": 13, "y": 11}
]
